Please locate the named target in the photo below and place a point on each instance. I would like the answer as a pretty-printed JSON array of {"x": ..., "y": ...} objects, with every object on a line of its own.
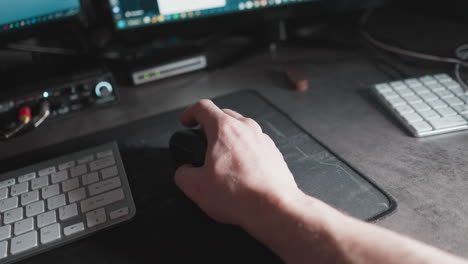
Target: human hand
[{"x": 244, "y": 172}]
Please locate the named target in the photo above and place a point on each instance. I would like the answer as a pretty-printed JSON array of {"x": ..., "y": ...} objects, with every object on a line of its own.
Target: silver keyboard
[
  {"x": 46, "y": 205},
  {"x": 426, "y": 106}
]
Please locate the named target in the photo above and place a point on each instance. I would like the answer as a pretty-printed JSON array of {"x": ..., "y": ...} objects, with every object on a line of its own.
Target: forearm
[{"x": 305, "y": 230}]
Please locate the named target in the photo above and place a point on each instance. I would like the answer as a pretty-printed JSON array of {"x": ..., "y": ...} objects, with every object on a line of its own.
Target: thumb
[{"x": 188, "y": 179}]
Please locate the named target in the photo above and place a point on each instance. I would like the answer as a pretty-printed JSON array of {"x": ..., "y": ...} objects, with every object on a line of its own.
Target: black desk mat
[{"x": 168, "y": 228}]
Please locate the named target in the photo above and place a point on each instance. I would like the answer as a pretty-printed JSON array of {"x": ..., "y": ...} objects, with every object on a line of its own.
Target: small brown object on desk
[{"x": 297, "y": 78}]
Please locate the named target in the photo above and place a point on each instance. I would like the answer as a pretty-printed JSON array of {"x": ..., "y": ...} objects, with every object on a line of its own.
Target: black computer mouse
[{"x": 188, "y": 147}]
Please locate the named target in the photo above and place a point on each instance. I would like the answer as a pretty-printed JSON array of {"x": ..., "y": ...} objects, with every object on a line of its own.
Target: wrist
[{"x": 287, "y": 223}]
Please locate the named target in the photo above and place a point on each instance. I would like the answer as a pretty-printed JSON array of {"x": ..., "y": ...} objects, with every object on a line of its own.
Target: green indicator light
[
  {"x": 158, "y": 74},
  {"x": 146, "y": 76}
]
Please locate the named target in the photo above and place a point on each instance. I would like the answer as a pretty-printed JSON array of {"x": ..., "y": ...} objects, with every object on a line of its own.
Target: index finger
[{"x": 204, "y": 113}]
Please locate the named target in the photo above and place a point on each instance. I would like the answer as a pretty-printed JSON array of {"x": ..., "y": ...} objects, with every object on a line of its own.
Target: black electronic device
[
  {"x": 64, "y": 96},
  {"x": 189, "y": 147}
]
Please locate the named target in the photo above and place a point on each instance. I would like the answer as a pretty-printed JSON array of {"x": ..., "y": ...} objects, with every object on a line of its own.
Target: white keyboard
[
  {"x": 46, "y": 205},
  {"x": 427, "y": 106}
]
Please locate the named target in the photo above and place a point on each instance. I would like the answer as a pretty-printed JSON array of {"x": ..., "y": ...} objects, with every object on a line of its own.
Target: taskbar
[{"x": 39, "y": 19}]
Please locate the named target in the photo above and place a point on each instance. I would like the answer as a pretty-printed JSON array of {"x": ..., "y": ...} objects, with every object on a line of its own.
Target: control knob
[{"x": 103, "y": 89}]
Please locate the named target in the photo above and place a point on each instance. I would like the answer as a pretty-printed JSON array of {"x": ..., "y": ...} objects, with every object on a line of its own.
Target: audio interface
[{"x": 63, "y": 97}]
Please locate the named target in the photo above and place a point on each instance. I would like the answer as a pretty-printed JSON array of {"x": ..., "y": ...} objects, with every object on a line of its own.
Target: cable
[
  {"x": 461, "y": 51},
  {"x": 43, "y": 114},
  {"x": 411, "y": 53},
  {"x": 24, "y": 118}
]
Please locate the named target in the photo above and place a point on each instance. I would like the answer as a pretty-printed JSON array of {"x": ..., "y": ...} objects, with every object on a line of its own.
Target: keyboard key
[
  {"x": 66, "y": 165},
  {"x": 119, "y": 213},
  {"x": 458, "y": 91},
  {"x": 71, "y": 184},
  {"x": 86, "y": 159},
  {"x": 421, "y": 90},
  {"x": 104, "y": 154},
  {"x": 436, "y": 87},
  {"x": 96, "y": 217},
  {"x": 46, "y": 171},
  {"x": 39, "y": 182},
  {"x": 462, "y": 109},
  {"x": 3, "y": 193},
  {"x": 406, "y": 92},
  {"x": 429, "y": 97},
  {"x": 397, "y": 84},
  {"x": 3, "y": 249},
  {"x": 90, "y": 178},
  {"x": 431, "y": 114},
  {"x": 111, "y": 172},
  {"x": 390, "y": 95},
  {"x": 412, "y": 117},
  {"x": 46, "y": 219},
  {"x": 420, "y": 107},
  {"x": 77, "y": 195},
  {"x": 446, "y": 112},
  {"x": 102, "y": 163},
  {"x": 437, "y": 104},
  {"x": 383, "y": 87},
  {"x": 35, "y": 208},
  {"x": 451, "y": 85},
  {"x": 20, "y": 188},
  {"x": 27, "y": 177},
  {"x": 68, "y": 211},
  {"x": 102, "y": 200},
  {"x": 7, "y": 183},
  {"x": 59, "y": 176},
  {"x": 421, "y": 126},
  {"x": 23, "y": 242},
  {"x": 428, "y": 80},
  {"x": 8, "y": 204},
  {"x": 448, "y": 122},
  {"x": 50, "y": 191},
  {"x": 413, "y": 99},
  {"x": 413, "y": 83},
  {"x": 73, "y": 229},
  {"x": 13, "y": 216},
  {"x": 50, "y": 233},
  {"x": 395, "y": 102},
  {"x": 104, "y": 186},
  {"x": 56, "y": 202},
  {"x": 5, "y": 232},
  {"x": 404, "y": 109},
  {"x": 445, "y": 94},
  {"x": 453, "y": 101},
  {"x": 24, "y": 226},
  {"x": 78, "y": 170},
  {"x": 27, "y": 198},
  {"x": 442, "y": 77}
]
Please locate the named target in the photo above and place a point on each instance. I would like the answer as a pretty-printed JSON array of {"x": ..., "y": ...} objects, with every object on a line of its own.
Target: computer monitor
[
  {"x": 23, "y": 14},
  {"x": 130, "y": 14}
]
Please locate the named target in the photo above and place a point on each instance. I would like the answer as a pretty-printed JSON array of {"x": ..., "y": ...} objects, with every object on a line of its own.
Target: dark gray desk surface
[{"x": 427, "y": 177}]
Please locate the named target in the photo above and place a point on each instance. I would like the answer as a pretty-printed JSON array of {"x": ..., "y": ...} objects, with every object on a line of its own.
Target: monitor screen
[
  {"x": 17, "y": 14},
  {"x": 137, "y": 13}
]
